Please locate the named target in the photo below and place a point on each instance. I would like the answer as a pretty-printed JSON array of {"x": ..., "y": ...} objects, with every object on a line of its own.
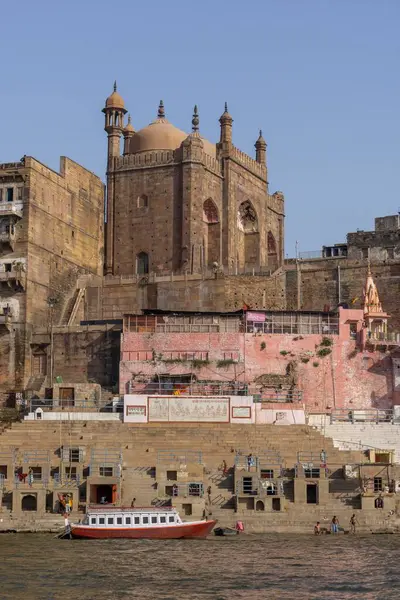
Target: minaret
[
  {"x": 128, "y": 132},
  {"x": 226, "y": 126},
  {"x": 261, "y": 150},
  {"x": 192, "y": 221},
  {"x": 114, "y": 112}
]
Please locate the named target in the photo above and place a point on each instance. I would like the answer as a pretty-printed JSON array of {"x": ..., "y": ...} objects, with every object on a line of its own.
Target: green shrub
[{"x": 323, "y": 352}]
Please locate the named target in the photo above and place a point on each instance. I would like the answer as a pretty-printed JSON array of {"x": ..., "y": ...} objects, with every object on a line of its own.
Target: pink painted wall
[{"x": 344, "y": 378}]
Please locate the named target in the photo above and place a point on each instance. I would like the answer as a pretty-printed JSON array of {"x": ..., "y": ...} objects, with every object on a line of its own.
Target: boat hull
[{"x": 197, "y": 529}]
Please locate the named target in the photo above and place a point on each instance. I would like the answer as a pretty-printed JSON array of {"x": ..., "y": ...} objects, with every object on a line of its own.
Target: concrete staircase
[{"x": 363, "y": 436}]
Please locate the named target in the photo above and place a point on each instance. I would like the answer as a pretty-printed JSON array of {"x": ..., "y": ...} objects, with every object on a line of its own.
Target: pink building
[{"x": 322, "y": 360}]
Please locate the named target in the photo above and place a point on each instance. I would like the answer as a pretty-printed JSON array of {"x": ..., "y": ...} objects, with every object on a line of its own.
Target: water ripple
[{"x": 39, "y": 567}]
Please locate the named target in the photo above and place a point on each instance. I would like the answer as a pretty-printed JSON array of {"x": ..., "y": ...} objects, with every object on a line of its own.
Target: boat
[
  {"x": 223, "y": 531},
  {"x": 137, "y": 523}
]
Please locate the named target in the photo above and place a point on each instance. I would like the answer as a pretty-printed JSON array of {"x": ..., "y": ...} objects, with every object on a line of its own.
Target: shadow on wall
[{"x": 383, "y": 367}]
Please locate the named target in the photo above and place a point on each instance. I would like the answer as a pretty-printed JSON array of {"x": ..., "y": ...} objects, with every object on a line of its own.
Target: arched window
[
  {"x": 272, "y": 252},
  {"x": 29, "y": 503},
  {"x": 210, "y": 212},
  {"x": 142, "y": 201},
  {"x": 212, "y": 233},
  {"x": 142, "y": 263},
  {"x": 247, "y": 218},
  {"x": 248, "y": 239}
]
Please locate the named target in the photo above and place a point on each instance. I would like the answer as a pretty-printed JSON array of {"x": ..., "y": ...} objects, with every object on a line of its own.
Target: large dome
[
  {"x": 162, "y": 135},
  {"x": 159, "y": 135}
]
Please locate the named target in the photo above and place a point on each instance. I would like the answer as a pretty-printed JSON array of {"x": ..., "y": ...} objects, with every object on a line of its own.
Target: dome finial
[
  {"x": 129, "y": 119},
  {"x": 226, "y": 107},
  {"x": 195, "y": 120},
  {"x": 115, "y": 85},
  {"x": 161, "y": 110}
]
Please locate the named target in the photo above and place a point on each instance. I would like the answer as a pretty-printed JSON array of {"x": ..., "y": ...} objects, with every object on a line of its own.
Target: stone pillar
[{"x": 192, "y": 206}]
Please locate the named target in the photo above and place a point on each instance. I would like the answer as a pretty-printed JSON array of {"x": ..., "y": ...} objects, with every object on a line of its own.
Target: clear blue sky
[{"x": 320, "y": 77}]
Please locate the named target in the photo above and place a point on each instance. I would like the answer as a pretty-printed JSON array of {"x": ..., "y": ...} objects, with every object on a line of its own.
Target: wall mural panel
[{"x": 189, "y": 409}]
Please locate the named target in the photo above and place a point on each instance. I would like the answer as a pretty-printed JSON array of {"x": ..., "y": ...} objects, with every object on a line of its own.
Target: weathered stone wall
[
  {"x": 251, "y": 250},
  {"x": 157, "y": 205},
  {"x": 58, "y": 236},
  {"x": 381, "y": 245},
  {"x": 83, "y": 354},
  {"x": 111, "y": 298},
  {"x": 319, "y": 285}
]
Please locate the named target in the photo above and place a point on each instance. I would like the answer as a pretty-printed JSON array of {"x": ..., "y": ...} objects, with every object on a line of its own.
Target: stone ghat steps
[{"x": 216, "y": 442}]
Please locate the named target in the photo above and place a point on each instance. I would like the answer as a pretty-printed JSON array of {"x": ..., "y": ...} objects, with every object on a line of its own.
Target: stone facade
[
  {"x": 51, "y": 230},
  {"x": 178, "y": 204}
]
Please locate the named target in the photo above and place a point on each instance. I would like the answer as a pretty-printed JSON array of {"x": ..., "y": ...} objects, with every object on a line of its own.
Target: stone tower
[{"x": 176, "y": 203}]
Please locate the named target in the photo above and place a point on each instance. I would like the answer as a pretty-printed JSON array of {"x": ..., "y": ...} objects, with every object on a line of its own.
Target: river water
[{"x": 251, "y": 567}]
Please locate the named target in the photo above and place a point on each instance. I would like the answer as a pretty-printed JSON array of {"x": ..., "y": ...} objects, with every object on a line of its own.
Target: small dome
[
  {"x": 129, "y": 127},
  {"x": 115, "y": 100}
]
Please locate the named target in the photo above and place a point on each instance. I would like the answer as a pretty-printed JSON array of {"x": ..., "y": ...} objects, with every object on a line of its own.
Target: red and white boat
[{"x": 137, "y": 523}]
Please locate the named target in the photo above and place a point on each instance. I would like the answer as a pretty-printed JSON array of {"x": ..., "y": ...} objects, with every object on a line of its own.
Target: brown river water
[{"x": 293, "y": 567}]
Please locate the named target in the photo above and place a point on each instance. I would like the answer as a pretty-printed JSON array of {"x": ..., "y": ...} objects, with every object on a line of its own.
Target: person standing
[
  {"x": 317, "y": 528},
  {"x": 353, "y": 522},
  {"x": 335, "y": 525}
]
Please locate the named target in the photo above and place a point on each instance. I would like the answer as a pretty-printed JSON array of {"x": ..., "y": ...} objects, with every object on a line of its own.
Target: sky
[{"x": 319, "y": 77}]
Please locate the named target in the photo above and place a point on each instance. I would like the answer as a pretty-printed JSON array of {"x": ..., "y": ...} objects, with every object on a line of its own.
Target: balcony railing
[
  {"x": 385, "y": 338},
  {"x": 7, "y": 237},
  {"x": 293, "y": 396},
  {"x": 13, "y": 275},
  {"x": 74, "y": 405},
  {"x": 362, "y": 416},
  {"x": 193, "y": 489},
  {"x": 10, "y": 209},
  {"x": 263, "y": 487},
  {"x": 180, "y": 388}
]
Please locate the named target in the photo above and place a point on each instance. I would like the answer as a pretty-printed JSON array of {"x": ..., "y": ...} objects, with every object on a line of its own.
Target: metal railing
[
  {"x": 310, "y": 254},
  {"x": 106, "y": 462},
  {"x": 181, "y": 388},
  {"x": 263, "y": 487},
  {"x": 194, "y": 489},
  {"x": 267, "y": 460},
  {"x": 384, "y": 337},
  {"x": 292, "y": 396},
  {"x": 362, "y": 416},
  {"x": 66, "y": 481},
  {"x": 180, "y": 456},
  {"x": 74, "y": 405},
  {"x": 36, "y": 456},
  {"x": 313, "y": 459},
  {"x": 292, "y": 323}
]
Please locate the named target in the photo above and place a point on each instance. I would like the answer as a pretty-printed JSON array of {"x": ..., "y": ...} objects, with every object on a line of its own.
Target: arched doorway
[
  {"x": 29, "y": 503},
  {"x": 249, "y": 236},
  {"x": 142, "y": 263},
  {"x": 211, "y": 237},
  {"x": 273, "y": 262},
  {"x": 260, "y": 506}
]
